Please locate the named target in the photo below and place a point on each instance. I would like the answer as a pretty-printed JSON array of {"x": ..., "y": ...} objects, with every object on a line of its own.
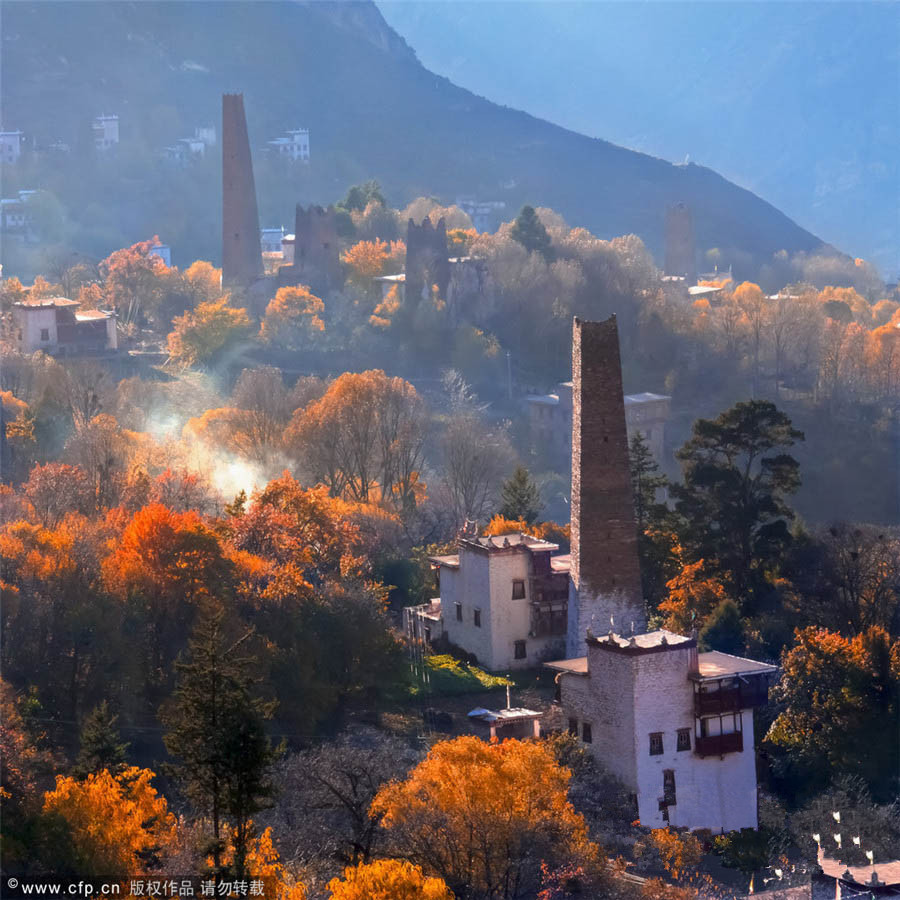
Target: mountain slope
[{"x": 373, "y": 112}]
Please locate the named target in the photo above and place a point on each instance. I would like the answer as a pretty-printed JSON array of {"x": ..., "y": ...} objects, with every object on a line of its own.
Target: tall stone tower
[
  {"x": 427, "y": 259},
  {"x": 605, "y": 572},
  {"x": 241, "y": 250},
  {"x": 681, "y": 252},
  {"x": 316, "y": 256}
]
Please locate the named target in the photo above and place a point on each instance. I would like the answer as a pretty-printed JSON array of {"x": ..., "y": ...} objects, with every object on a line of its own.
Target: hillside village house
[
  {"x": 295, "y": 146},
  {"x": 106, "y": 132},
  {"x": 11, "y": 143},
  {"x": 550, "y": 419},
  {"x": 674, "y": 725},
  {"x": 56, "y": 325}
]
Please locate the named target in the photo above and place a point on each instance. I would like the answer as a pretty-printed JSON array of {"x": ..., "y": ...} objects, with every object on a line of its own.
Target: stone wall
[
  {"x": 606, "y": 579},
  {"x": 427, "y": 259},
  {"x": 241, "y": 250},
  {"x": 681, "y": 252}
]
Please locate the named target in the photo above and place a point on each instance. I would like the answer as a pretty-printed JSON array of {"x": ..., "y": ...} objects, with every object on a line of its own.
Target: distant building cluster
[
  {"x": 189, "y": 148},
  {"x": 106, "y": 132},
  {"x": 16, "y": 221},
  {"x": 294, "y": 145}
]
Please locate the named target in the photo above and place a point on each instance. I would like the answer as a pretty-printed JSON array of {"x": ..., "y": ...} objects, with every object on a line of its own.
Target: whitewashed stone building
[{"x": 674, "y": 725}]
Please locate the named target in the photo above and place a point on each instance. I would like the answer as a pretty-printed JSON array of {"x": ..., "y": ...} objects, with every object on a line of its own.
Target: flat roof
[
  {"x": 716, "y": 664},
  {"x": 576, "y": 666},
  {"x": 888, "y": 871},
  {"x": 561, "y": 562},
  {"x": 545, "y": 399},
  {"x": 645, "y": 397},
  {"x": 452, "y": 560},
  {"x": 698, "y": 290},
  {"x": 38, "y": 302},
  {"x": 393, "y": 279},
  {"x": 503, "y": 716},
  {"x": 650, "y": 640},
  {"x": 513, "y": 539},
  {"x": 90, "y": 315}
]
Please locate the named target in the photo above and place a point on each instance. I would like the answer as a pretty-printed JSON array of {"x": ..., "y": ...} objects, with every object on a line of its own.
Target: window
[
  {"x": 573, "y": 726},
  {"x": 518, "y": 590},
  {"x": 478, "y": 618},
  {"x": 458, "y": 608},
  {"x": 45, "y": 334},
  {"x": 684, "y": 739},
  {"x": 656, "y": 743},
  {"x": 521, "y": 652},
  {"x": 586, "y": 735},
  {"x": 669, "y": 786}
]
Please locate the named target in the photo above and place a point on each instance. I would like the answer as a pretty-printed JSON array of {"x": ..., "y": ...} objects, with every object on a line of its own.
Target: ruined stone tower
[
  {"x": 681, "y": 252},
  {"x": 241, "y": 250},
  {"x": 605, "y": 571},
  {"x": 316, "y": 254},
  {"x": 427, "y": 259}
]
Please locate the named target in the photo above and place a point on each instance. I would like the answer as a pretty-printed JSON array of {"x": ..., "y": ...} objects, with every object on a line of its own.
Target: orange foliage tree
[
  {"x": 164, "y": 564},
  {"x": 135, "y": 281},
  {"x": 199, "y": 335},
  {"x": 388, "y": 879},
  {"x": 364, "y": 439},
  {"x": 118, "y": 826},
  {"x": 838, "y": 693},
  {"x": 484, "y": 816},
  {"x": 692, "y": 596},
  {"x": 55, "y": 489},
  {"x": 292, "y": 317},
  {"x": 366, "y": 260}
]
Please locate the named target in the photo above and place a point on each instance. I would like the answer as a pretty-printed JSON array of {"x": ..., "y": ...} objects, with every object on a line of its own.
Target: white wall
[{"x": 31, "y": 321}]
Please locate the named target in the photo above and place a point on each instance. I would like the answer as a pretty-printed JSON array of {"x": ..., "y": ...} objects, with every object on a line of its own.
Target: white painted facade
[
  {"x": 106, "y": 132},
  {"x": 634, "y": 696},
  {"x": 295, "y": 146},
  {"x": 492, "y": 595},
  {"x": 56, "y": 325},
  {"x": 11, "y": 146}
]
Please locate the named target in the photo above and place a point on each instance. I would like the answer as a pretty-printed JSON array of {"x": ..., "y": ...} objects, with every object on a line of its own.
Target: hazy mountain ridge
[{"x": 373, "y": 112}]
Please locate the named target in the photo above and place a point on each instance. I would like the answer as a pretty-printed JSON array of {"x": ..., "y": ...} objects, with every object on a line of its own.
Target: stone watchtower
[
  {"x": 681, "y": 251},
  {"x": 241, "y": 250},
  {"x": 605, "y": 571},
  {"x": 316, "y": 254},
  {"x": 427, "y": 259}
]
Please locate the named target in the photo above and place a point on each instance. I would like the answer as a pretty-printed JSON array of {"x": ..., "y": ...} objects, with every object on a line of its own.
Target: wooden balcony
[
  {"x": 719, "y": 744},
  {"x": 745, "y": 695}
]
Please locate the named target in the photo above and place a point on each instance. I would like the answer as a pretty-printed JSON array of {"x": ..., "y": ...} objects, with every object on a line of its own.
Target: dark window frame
[
  {"x": 520, "y": 646},
  {"x": 684, "y": 739},
  {"x": 459, "y": 614},
  {"x": 587, "y": 736},
  {"x": 476, "y": 618},
  {"x": 518, "y": 589},
  {"x": 657, "y": 748}
]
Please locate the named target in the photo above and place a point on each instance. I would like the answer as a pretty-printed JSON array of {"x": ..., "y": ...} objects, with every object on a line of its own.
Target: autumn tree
[
  {"x": 217, "y": 733},
  {"x": 364, "y": 439},
  {"x": 199, "y": 336},
  {"x": 388, "y": 879},
  {"x": 326, "y": 792},
  {"x": 292, "y": 318},
  {"x": 101, "y": 745},
  {"x": 134, "y": 280},
  {"x": 836, "y": 695},
  {"x": 100, "y": 448},
  {"x": 55, "y": 489},
  {"x": 733, "y": 502},
  {"x": 520, "y": 496},
  {"x": 691, "y": 597},
  {"x": 366, "y": 260},
  {"x": 359, "y": 196},
  {"x": 485, "y": 816},
  {"x": 118, "y": 824},
  {"x": 163, "y": 566}
]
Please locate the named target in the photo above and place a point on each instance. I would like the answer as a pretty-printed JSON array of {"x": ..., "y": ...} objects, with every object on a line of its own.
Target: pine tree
[
  {"x": 646, "y": 482},
  {"x": 724, "y": 629},
  {"x": 521, "y": 497},
  {"x": 101, "y": 744},
  {"x": 217, "y": 731},
  {"x": 530, "y": 232}
]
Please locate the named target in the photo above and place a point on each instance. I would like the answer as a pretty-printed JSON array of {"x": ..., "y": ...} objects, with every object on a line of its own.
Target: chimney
[
  {"x": 605, "y": 571},
  {"x": 241, "y": 250}
]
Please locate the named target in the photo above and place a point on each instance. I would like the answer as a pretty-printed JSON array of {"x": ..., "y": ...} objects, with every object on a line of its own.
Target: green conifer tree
[
  {"x": 530, "y": 232},
  {"x": 101, "y": 744},
  {"x": 217, "y": 732},
  {"x": 521, "y": 497},
  {"x": 724, "y": 629}
]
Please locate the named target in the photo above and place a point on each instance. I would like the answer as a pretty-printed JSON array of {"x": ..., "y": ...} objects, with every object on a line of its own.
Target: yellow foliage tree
[
  {"x": 263, "y": 862},
  {"x": 292, "y": 316},
  {"x": 388, "y": 879},
  {"x": 199, "y": 335},
  {"x": 117, "y": 823},
  {"x": 484, "y": 816}
]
